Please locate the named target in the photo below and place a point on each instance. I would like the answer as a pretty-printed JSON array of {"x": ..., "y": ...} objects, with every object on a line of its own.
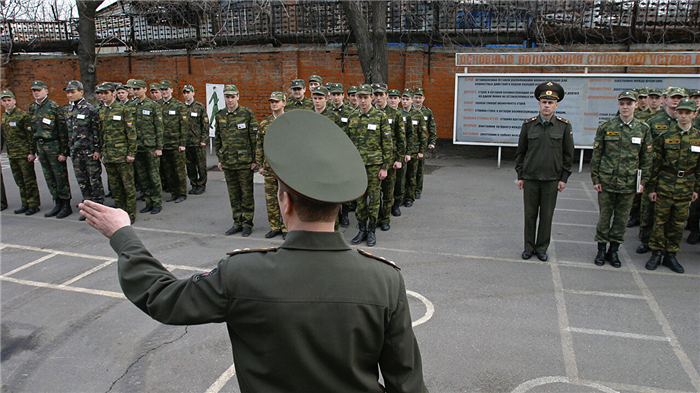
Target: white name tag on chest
[
  {"x": 415, "y": 122},
  {"x": 80, "y": 117},
  {"x": 344, "y": 119},
  {"x": 46, "y": 121},
  {"x": 636, "y": 141},
  {"x": 426, "y": 118},
  {"x": 695, "y": 149},
  {"x": 13, "y": 124},
  {"x": 241, "y": 126},
  {"x": 390, "y": 120},
  {"x": 194, "y": 114},
  {"x": 371, "y": 127},
  {"x": 116, "y": 117},
  {"x": 172, "y": 112},
  {"x": 146, "y": 112}
]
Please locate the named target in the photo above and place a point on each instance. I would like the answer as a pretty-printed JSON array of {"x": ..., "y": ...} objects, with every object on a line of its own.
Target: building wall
[{"x": 259, "y": 70}]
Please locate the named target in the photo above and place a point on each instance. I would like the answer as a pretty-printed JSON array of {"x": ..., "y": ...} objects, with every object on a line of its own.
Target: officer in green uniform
[
  {"x": 51, "y": 136},
  {"x": 299, "y": 100},
  {"x": 659, "y": 123},
  {"x": 353, "y": 307},
  {"x": 623, "y": 146},
  {"x": 175, "y": 135},
  {"x": 418, "y": 99},
  {"x": 197, "y": 131},
  {"x": 277, "y": 102},
  {"x": 370, "y": 131},
  {"x": 234, "y": 141},
  {"x": 416, "y": 142},
  {"x": 694, "y": 212},
  {"x": 674, "y": 185},
  {"x": 21, "y": 152},
  {"x": 84, "y": 142},
  {"x": 543, "y": 162},
  {"x": 118, "y": 148},
  {"x": 148, "y": 121}
]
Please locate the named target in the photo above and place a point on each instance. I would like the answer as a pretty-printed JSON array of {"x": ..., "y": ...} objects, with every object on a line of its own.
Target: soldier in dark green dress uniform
[
  {"x": 543, "y": 163},
  {"x": 351, "y": 305},
  {"x": 299, "y": 100},
  {"x": 21, "y": 151},
  {"x": 674, "y": 185},
  {"x": 623, "y": 145},
  {"x": 197, "y": 137}
]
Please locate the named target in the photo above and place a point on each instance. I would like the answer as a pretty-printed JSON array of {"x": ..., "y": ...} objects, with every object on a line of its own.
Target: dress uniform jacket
[
  {"x": 311, "y": 315},
  {"x": 545, "y": 153}
]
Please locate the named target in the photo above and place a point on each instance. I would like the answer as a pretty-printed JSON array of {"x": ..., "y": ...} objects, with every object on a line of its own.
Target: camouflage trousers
[
  {"x": 637, "y": 203},
  {"x": 388, "y": 185},
  {"x": 121, "y": 180},
  {"x": 25, "y": 177},
  {"x": 3, "y": 196},
  {"x": 411, "y": 172},
  {"x": 419, "y": 175},
  {"x": 614, "y": 211},
  {"x": 88, "y": 173},
  {"x": 646, "y": 221},
  {"x": 175, "y": 172},
  {"x": 240, "y": 193},
  {"x": 197, "y": 166},
  {"x": 55, "y": 172},
  {"x": 274, "y": 217},
  {"x": 694, "y": 216},
  {"x": 669, "y": 220},
  {"x": 368, "y": 204},
  {"x": 400, "y": 183},
  {"x": 147, "y": 167}
]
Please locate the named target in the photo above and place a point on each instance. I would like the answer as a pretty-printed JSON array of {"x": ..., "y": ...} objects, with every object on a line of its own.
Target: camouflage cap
[
  {"x": 188, "y": 88},
  {"x": 694, "y": 93},
  {"x": 687, "y": 103},
  {"x": 642, "y": 92},
  {"x": 337, "y": 88},
  {"x": 38, "y": 85},
  {"x": 298, "y": 84},
  {"x": 675, "y": 91},
  {"x": 120, "y": 87},
  {"x": 320, "y": 90},
  {"x": 629, "y": 94},
  {"x": 407, "y": 93},
  {"x": 549, "y": 90},
  {"x": 277, "y": 96},
  {"x": 378, "y": 88},
  {"x": 352, "y": 90},
  {"x": 104, "y": 86},
  {"x": 230, "y": 89},
  {"x": 139, "y": 84},
  {"x": 364, "y": 89},
  {"x": 155, "y": 86},
  {"x": 315, "y": 78},
  {"x": 7, "y": 93},
  {"x": 74, "y": 85},
  {"x": 166, "y": 85},
  {"x": 130, "y": 83},
  {"x": 419, "y": 92},
  {"x": 656, "y": 91},
  {"x": 394, "y": 93}
]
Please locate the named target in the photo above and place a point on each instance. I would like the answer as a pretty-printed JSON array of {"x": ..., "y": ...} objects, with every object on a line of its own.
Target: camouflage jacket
[
  {"x": 545, "y": 153},
  {"x": 344, "y": 112},
  {"x": 619, "y": 151},
  {"x": 117, "y": 134},
  {"x": 334, "y": 117},
  {"x": 83, "y": 132},
  {"x": 175, "y": 119},
  {"x": 235, "y": 138},
  {"x": 398, "y": 132},
  {"x": 148, "y": 121},
  {"x": 676, "y": 152},
  {"x": 17, "y": 134},
  {"x": 416, "y": 132},
  {"x": 49, "y": 124},
  {"x": 198, "y": 124},
  {"x": 372, "y": 136},
  {"x": 660, "y": 122},
  {"x": 260, "y": 142},
  {"x": 641, "y": 114},
  {"x": 430, "y": 124},
  {"x": 306, "y": 103}
]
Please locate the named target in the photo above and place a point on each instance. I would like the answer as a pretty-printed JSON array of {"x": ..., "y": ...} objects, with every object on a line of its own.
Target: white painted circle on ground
[
  {"x": 429, "y": 308},
  {"x": 533, "y": 383}
]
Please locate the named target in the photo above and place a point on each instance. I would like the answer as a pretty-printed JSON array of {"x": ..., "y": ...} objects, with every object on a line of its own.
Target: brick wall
[{"x": 257, "y": 71}]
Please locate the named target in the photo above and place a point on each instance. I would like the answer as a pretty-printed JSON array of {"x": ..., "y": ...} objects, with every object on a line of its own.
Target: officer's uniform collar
[
  {"x": 317, "y": 241},
  {"x": 546, "y": 122},
  {"x": 42, "y": 101}
]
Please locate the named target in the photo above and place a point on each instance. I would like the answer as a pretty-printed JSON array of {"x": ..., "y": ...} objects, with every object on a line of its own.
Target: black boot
[
  {"x": 694, "y": 237},
  {"x": 672, "y": 263},
  {"x": 371, "y": 237},
  {"x": 65, "y": 210},
  {"x": 362, "y": 235},
  {"x": 655, "y": 260},
  {"x": 642, "y": 249},
  {"x": 57, "y": 208},
  {"x": 600, "y": 257},
  {"x": 344, "y": 221},
  {"x": 634, "y": 218},
  {"x": 396, "y": 209},
  {"x": 612, "y": 255}
]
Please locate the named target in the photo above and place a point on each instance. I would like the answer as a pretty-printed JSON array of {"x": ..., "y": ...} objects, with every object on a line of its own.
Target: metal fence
[{"x": 144, "y": 26}]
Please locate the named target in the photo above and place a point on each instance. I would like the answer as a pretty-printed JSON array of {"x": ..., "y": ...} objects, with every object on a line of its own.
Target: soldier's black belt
[{"x": 672, "y": 171}]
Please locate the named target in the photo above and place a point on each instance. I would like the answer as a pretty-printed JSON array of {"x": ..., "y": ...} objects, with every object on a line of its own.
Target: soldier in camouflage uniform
[
  {"x": 694, "y": 213},
  {"x": 314, "y": 81},
  {"x": 642, "y": 112},
  {"x": 674, "y": 185},
  {"x": 51, "y": 137},
  {"x": 148, "y": 121},
  {"x": 122, "y": 94},
  {"x": 18, "y": 135},
  {"x": 156, "y": 95},
  {"x": 118, "y": 144},
  {"x": 418, "y": 98},
  {"x": 277, "y": 103},
  {"x": 370, "y": 131},
  {"x": 320, "y": 99},
  {"x": 175, "y": 136},
  {"x": 416, "y": 142},
  {"x": 398, "y": 139},
  {"x": 659, "y": 123},
  {"x": 352, "y": 97},
  {"x": 84, "y": 142},
  {"x": 299, "y": 100},
  {"x": 342, "y": 109},
  {"x": 623, "y": 145},
  {"x": 197, "y": 137},
  {"x": 235, "y": 143}
]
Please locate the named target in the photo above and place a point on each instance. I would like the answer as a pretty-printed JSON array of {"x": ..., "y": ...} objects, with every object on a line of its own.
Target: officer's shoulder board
[
  {"x": 381, "y": 259},
  {"x": 249, "y": 250},
  {"x": 530, "y": 119},
  {"x": 563, "y": 120}
]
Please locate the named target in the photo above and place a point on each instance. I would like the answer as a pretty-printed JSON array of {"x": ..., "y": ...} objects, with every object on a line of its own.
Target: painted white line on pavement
[
  {"x": 574, "y": 225},
  {"x": 635, "y": 336},
  {"x": 30, "y": 264},
  {"x": 533, "y": 383},
  {"x": 637, "y": 388},
  {"x": 223, "y": 379},
  {"x": 567, "y": 343},
  {"x": 609, "y": 294},
  {"x": 429, "y": 308},
  {"x": 576, "y": 211},
  {"x": 87, "y": 273},
  {"x": 66, "y": 253},
  {"x": 38, "y": 284}
]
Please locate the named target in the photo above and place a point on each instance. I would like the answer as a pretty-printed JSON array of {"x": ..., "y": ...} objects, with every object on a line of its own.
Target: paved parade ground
[{"x": 486, "y": 320}]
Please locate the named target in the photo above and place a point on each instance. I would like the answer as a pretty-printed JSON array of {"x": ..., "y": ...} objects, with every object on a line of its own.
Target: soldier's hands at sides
[
  {"x": 407, "y": 158},
  {"x": 62, "y": 158},
  {"x": 181, "y": 148},
  {"x": 202, "y": 144},
  {"x": 130, "y": 159},
  {"x": 641, "y": 189},
  {"x": 31, "y": 158},
  {"x": 261, "y": 171},
  {"x": 397, "y": 165},
  {"x": 96, "y": 156},
  {"x": 521, "y": 184},
  {"x": 159, "y": 153},
  {"x": 695, "y": 197},
  {"x": 253, "y": 166},
  {"x": 219, "y": 166},
  {"x": 431, "y": 146},
  {"x": 382, "y": 174},
  {"x": 103, "y": 218},
  {"x": 652, "y": 196},
  {"x": 597, "y": 187},
  {"x": 561, "y": 186},
  {"x": 420, "y": 155}
]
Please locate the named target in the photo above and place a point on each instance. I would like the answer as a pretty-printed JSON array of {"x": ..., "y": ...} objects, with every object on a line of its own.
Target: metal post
[
  {"x": 580, "y": 162},
  {"x": 499, "y": 157}
]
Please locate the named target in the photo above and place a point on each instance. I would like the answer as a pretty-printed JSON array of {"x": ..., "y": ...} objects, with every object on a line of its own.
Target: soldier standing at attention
[
  {"x": 175, "y": 135},
  {"x": 18, "y": 135},
  {"x": 277, "y": 103},
  {"x": 416, "y": 142},
  {"x": 642, "y": 113},
  {"x": 51, "y": 137},
  {"x": 343, "y": 110},
  {"x": 674, "y": 185},
  {"x": 623, "y": 145},
  {"x": 352, "y": 97},
  {"x": 148, "y": 122},
  {"x": 418, "y": 99},
  {"x": 320, "y": 100},
  {"x": 314, "y": 81},
  {"x": 234, "y": 141},
  {"x": 122, "y": 94},
  {"x": 370, "y": 131},
  {"x": 197, "y": 137},
  {"x": 156, "y": 95},
  {"x": 129, "y": 89},
  {"x": 694, "y": 212},
  {"x": 299, "y": 100},
  {"x": 654, "y": 100},
  {"x": 84, "y": 143},
  {"x": 543, "y": 163},
  {"x": 394, "y": 98}
]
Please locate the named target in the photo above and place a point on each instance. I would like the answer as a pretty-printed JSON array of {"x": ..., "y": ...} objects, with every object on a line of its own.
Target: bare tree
[
  {"x": 371, "y": 47},
  {"x": 86, "y": 46}
]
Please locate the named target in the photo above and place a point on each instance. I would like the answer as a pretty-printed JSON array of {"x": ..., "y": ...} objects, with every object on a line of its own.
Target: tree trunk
[
  {"x": 380, "y": 62},
  {"x": 372, "y": 50},
  {"x": 86, "y": 47}
]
